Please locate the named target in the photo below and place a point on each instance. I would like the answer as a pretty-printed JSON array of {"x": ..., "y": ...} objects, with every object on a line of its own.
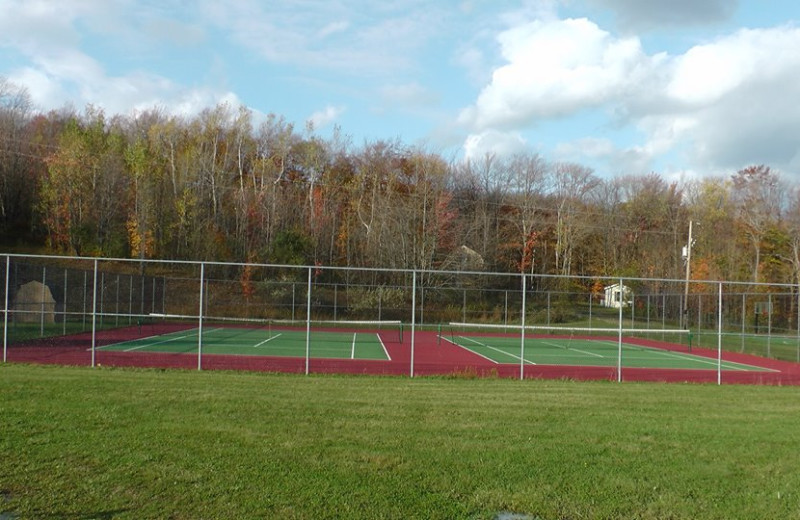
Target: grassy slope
[{"x": 82, "y": 443}]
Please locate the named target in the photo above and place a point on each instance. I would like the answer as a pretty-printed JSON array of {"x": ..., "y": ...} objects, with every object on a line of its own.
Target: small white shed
[{"x": 617, "y": 296}]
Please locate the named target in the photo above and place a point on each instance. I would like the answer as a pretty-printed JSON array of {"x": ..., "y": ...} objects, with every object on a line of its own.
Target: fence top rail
[{"x": 613, "y": 279}]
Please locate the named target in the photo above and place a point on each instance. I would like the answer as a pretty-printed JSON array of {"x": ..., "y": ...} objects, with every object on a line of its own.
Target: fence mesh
[{"x": 90, "y": 311}]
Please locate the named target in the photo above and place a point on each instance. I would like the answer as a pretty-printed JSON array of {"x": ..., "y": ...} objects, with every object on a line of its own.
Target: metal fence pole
[
  {"x": 522, "y": 329},
  {"x": 464, "y": 306},
  {"x": 64, "y": 319},
  {"x": 505, "y": 309},
  {"x": 200, "y": 317},
  {"x": 548, "y": 308},
  {"x": 744, "y": 313},
  {"x": 719, "y": 337},
  {"x": 413, "y": 318},
  {"x": 308, "y": 322},
  {"x": 619, "y": 342},
  {"x": 85, "y": 283},
  {"x": 41, "y": 302},
  {"x": 130, "y": 299},
  {"x": 769, "y": 325},
  {"x": 422, "y": 302},
  {"x": 5, "y": 311},
  {"x": 94, "y": 313},
  {"x": 116, "y": 306}
]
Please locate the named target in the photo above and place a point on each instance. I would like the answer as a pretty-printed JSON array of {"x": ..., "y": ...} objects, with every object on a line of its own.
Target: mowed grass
[{"x": 103, "y": 443}]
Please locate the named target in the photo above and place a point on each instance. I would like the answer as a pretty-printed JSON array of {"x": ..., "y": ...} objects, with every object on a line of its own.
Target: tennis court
[
  {"x": 651, "y": 349},
  {"x": 268, "y": 340}
]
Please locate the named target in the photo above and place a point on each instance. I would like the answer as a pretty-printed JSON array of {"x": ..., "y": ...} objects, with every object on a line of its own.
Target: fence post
[
  {"x": 130, "y": 298},
  {"x": 719, "y": 337},
  {"x": 463, "y": 305},
  {"x": 64, "y": 319},
  {"x": 619, "y": 339},
  {"x": 308, "y": 321},
  {"x": 5, "y": 311},
  {"x": 413, "y": 318},
  {"x": 744, "y": 313},
  {"x": 94, "y": 312},
  {"x": 42, "y": 298},
  {"x": 769, "y": 325},
  {"x": 83, "y": 315},
  {"x": 200, "y": 317},
  {"x": 522, "y": 328}
]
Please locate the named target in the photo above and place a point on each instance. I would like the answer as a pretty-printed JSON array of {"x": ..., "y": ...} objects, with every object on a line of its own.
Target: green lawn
[{"x": 81, "y": 443}]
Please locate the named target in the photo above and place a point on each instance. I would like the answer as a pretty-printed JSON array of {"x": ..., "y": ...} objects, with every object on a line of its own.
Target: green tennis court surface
[
  {"x": 584, "y": 352},
  {"x": 262, "y": 342}
]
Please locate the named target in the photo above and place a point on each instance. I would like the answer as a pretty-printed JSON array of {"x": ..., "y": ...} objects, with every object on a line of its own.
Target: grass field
[{"x": 82, "y": 443}]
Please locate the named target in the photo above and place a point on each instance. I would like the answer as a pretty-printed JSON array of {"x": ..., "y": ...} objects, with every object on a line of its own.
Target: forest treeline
[{"x": 220, "y": 186}]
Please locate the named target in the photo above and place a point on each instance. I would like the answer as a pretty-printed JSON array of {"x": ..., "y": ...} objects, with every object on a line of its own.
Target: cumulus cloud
[
  {"x": 58, "y": 72},
  {"x": 740, "y": 94},
  {"x": 493, "y": 141},
  {"x": 722, "y": 104},
  {"x": 557, "y": 68}
]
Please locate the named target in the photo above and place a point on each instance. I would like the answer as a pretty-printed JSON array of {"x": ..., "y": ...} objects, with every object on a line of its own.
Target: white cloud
[
  {"x": 556, "y": 68},
  {"x": 724, "y": 104},
  {"x": 741, "y": 93},
  {"x": 493, "y": 141},
  {"x": 322, "y": 118}
]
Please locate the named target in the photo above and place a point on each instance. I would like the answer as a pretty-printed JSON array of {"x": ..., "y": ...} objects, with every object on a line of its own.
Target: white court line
[
  {"x": 468, "y": 349},
  {"x": 574, "y": 349},
  {"x": 495, "y": 349},
  {"x": 727, "y": 365},
  {"x": 384, "y": 347},
  {"x": 268, "y": 339},
  {"x": 193, "y": 333},
  {"x": 158, "y": 342},
  {"x": 353, "y": 348}
]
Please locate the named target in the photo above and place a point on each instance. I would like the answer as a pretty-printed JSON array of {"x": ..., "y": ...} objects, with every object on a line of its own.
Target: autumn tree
[
  {"x": 20, "y": 163},
  {"x": 758, "y": 199}
]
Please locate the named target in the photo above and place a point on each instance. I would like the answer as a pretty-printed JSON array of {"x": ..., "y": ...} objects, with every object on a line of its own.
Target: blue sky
[{"x": 685, "y": 88}]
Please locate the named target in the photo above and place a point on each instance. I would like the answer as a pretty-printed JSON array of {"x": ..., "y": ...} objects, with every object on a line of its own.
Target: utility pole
[{"x": 687, "y": 256}]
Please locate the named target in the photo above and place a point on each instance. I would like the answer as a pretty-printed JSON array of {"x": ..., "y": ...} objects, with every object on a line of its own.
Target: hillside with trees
[{"x": 221, "y": 186}]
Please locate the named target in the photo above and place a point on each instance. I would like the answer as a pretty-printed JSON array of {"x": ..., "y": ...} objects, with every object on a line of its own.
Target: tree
[
  {"x": 83, "y": 193},
  {"x": 757, "y": 195},
  {"x": 573, "y": 188},
  {"x": 20, "y": 163},
  {"x": 527, "y": 175}
]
